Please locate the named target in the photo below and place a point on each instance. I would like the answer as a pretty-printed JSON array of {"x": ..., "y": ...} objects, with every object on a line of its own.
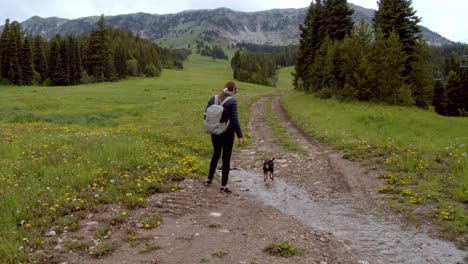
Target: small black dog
[{"x": 268, "y": 169}]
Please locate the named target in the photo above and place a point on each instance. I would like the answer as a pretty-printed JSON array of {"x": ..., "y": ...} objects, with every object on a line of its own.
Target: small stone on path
[{"x": 215, "y": 214}]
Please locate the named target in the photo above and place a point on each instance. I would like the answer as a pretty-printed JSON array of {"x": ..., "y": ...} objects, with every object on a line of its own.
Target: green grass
[
  {"x": 219, "y": 254},
  {"x": 65, "y": 151},
  {"x": 281, "y": 136},
  {"x": 149, "y": 248},
  {"x": 75, "y": 246},
  {"x": 425, "y": 155},
  {"x": 102, "y": 250},
  {"x": 102, "y": 233},
  {"x": 283, "y": 249},
  {"x": 285, "y": 79}
]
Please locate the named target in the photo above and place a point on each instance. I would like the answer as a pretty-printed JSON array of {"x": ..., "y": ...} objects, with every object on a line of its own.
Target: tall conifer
[
  {"x": 77, "y": 65},
  {"x": 455, "y": 92},
  {"x": 99, "y": 54},
  {"x": 439, "y": 98},
  {"x": 339, "y": 21},
  {"x": 14, "y": 74},
  {"x": 120, "y": 61},
  {"x": 56, "y": 71},
  {"x": 4, "y": 56},
  {"x": 27, "y": 62},
  {"x": 387, "y": 63},
  {"x": 65, "y": 56},
  {"x": 400, "y": 17},
  {"x": 39, "y": 58},
  {"x": 356, "y": 68},
  {"x": 304, "y": 53},
  {"x": 420, "y": 78}
]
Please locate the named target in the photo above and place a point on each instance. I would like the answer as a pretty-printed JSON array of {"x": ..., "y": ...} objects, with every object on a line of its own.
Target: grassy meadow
[
  {"x": 66, "y": 151},
  {"x": 425, "y": 155}
]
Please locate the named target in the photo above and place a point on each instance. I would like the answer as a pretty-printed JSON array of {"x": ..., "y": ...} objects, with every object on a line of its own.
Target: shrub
[
  {"x": 282, "y": 249},
  {"x": 151, "y": 71}
]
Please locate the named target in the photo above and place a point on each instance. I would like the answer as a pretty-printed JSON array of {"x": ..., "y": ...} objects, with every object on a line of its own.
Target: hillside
[{"x": 221, "y": 26}]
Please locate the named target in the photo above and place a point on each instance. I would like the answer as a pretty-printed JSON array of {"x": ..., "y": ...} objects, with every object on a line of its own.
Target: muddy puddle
[{"x": 369, "y": 236}]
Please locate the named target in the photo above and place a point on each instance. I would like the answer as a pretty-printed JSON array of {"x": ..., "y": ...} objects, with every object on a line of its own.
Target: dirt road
[{"x": 201, "y": 225}]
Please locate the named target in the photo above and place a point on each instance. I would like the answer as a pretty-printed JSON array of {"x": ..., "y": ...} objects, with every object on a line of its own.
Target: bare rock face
[{"x": 272, "y": 27}]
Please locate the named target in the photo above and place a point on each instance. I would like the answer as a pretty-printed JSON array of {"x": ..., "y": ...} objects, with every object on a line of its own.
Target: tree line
[
  {"x": 215, "y": 52},
  {"x": 451, "y": 87},
  {"x": 254, "y": 67},
  {"x": 386, "y": 62},
  {"x": 259, "y": 63},
  {"x": 451, "y": 80},
  {"x": 283, "y": 55},
  {"x": 106, "y": 54}
]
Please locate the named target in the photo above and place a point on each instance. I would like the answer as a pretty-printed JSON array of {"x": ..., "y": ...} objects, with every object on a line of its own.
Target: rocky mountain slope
[{"x": 275, "y": 27}]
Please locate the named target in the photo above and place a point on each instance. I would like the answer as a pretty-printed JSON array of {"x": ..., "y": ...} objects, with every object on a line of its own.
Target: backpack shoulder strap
[
  {"x": 216, "y": 101},
  {"x": 226, "y": 99}
]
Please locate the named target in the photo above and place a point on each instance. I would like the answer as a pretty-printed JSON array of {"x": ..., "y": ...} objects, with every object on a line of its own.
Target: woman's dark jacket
[{"x": 230, "y": 113}]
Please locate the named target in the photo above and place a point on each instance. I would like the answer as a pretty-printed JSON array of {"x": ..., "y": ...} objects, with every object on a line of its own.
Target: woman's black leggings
[{"x": 222, "y": 143}]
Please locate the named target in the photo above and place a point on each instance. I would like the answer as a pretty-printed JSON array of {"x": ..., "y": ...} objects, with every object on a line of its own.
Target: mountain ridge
[{"x": 220, "y": 25}]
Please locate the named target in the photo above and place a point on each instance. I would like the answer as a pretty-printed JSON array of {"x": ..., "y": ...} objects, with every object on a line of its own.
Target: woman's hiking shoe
[
  {"x": 207, "y": 183},
  {"x": 225, "y": 189}
]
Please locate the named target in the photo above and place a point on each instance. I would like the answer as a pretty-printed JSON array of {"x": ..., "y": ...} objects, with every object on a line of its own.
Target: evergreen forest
[
  {"x": 385, "y": 62},
  {"x": 260, "y": 63},
  {"x": 106, "y": 54},
  {"x": 254, "y": 67}
]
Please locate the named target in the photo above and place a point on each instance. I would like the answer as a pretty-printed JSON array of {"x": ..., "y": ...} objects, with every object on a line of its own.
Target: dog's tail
[{"x": 273, "y": 159}]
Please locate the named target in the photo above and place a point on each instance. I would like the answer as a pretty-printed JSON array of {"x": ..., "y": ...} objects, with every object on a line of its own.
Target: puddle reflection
[{"x": 370, "y": 236}]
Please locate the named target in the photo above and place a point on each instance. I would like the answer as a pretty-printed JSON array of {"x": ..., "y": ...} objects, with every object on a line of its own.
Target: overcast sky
[{"x": 446, "y": 17}]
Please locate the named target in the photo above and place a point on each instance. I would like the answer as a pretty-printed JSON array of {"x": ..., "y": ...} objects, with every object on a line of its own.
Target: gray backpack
[{"x": 213, "y": 115}]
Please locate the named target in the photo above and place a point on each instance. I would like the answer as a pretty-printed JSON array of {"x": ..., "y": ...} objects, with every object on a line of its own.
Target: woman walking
[{"x": 223, "y": 143}]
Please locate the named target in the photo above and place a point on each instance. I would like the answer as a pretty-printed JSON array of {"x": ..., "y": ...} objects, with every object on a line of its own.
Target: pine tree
[
  {"x": 318, "y": 28},
  {"x": 304, "y": 53},
  {"x": 78, "y": 62},
  {"x": 39, "y": 58},
  {"x": 235, "y": 64},
  {"x": 99, "y": 55},
  {"x": 14, "y": 74},
  {"x": 439, "y": 98},
  {"x": 420, "y": 78},
  {"x": 4, "y": 54},
  {"x": 356, "y": 68},
  {"x": 455, "y": 94},
  {"x": 65, "y": 57},
  {"x": 464, "y": 90},
  {"x": 339, "y": 21},
  {"x": 27, "y": 62},
  {"x": 59, "y": 76},
  {"x": 120, "y": 60},
  {"x": 387, "y": 64},
  {"x": 333, "y": 74},
  {"x": 333, "y": 20},
  {"x": 451, "y": 63},
  {"x": 317, "y": 73},
  {"x": 400, "y": 17},
  {"x": 317, "y": 36},
  {"x": 55, "y": 67},
  {"x": 74, "y": 60}
]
